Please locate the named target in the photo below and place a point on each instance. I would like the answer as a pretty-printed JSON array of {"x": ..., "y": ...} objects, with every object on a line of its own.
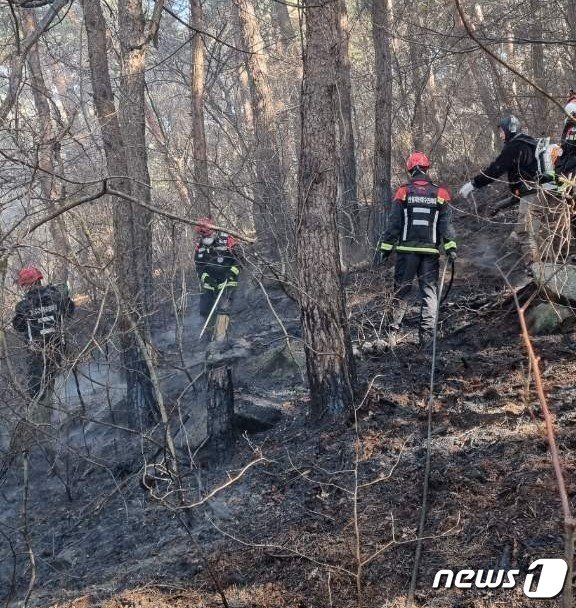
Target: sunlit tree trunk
[
  {"x": 49, "y": 153},
  {"x": 272, "y": 222},
  {"x": 197, "y": 83},
  {"x": 347, "y": 146},
  {"x": 381, "y": 27}
]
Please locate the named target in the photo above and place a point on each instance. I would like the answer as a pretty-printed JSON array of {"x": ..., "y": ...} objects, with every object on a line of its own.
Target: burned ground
[{"x": 290, "y": 530}]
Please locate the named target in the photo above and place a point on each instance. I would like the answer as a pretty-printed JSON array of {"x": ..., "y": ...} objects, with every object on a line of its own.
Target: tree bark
[
  {"x": 329, "y": 361},
  {"x": 382, "y": 183},
  {"x": 272, "y": 222},
  {"x": 133, "y": 44},
  {"x": 220, "y": 406},
  {"x": 49, "y": 151},
  {"x": 140, "y": 400},
  {"x": 348, "y": 173},
  {"x": 197, "y": 78},
  {"x": 539, "y": 106}
]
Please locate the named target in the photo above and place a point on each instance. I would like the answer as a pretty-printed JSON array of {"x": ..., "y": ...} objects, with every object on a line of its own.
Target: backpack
[{"x": 546, "y": 156}]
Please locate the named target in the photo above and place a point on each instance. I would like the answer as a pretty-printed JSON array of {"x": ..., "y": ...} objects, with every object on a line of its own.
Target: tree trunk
[
  {"x": 326, "y": 335},
  {"x": 49, "y": 154},
  {"x": 348, "y": 173},
  {"x": 197, "y": 78},
  {"x": 220, "y": 404},
  {"x": 571, "y": 21},
  {"x": 272, "y": 222},
  {"x": 140, "y": 400},
  {"x": 382, "y": 184},
  {"x": 539, "y": 106},
  {"x": 132, "y": 112}
]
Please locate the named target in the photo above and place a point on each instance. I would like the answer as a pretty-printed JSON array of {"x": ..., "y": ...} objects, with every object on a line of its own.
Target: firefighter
[
  {"x": 518, "y": 160},
  {"x": 39, "y": 316},
  {"x": 566, "y": 163},
  {"x": 217, "y": 266},
  {"x": 420, "y": 226}
]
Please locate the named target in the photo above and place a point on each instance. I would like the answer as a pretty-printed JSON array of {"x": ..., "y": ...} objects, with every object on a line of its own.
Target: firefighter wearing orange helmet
[{"x": 419, "y": 228}]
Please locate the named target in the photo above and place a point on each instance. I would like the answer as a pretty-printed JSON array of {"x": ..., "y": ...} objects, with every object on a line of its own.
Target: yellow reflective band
[
  {"x": 385, "y": 247},
  {"x": 402, "y": 248},
  {"x": 450, "y": 245},
  {"x": 227, "y": 284},
  {"x": 235, "y": 270},
  {"x": 204, "y": 276},
  {"x": 208, "y": 287},
  {"x": 440, "y": 200}
]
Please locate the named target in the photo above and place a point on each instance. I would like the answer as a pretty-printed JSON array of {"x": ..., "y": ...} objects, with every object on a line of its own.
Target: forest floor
[{"x": 316, "y": 501}]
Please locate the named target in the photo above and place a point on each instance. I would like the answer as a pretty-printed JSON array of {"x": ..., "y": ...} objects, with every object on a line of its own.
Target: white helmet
[{"x": 570, "y": 108}]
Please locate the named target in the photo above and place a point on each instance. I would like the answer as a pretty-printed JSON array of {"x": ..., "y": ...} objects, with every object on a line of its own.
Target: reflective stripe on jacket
[{"x": 421, "y": 219}]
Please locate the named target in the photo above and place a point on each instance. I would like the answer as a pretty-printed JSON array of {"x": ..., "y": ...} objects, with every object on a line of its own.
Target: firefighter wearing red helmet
[
  {"x": 419, "y": 227},
  {"x": 39, "y": 316},
  {"x": 217, "y": 266}
]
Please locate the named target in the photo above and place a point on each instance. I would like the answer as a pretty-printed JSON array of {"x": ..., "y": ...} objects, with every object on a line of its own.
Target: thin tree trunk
[
  {"x": 571, "y": 22},
  {"x": 537, "y": 56},
  {"x": 49, "y": 153},
  {"x": 220, "y": 405},
  {"x": 326, "y": 335},
  {"x": 382, "y": 184},
  {"x": 132, "y": 113},
  {"x": 139, "y": 386},
  {"x": 273, "y": 226},
  {"x": 348, "y": 172},
  {"x": 197, "y": 78}
]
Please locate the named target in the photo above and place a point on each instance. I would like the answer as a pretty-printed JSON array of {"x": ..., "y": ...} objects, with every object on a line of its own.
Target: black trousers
[
  {"x": 425, "y": 267},
  {"x": 208, "y": 298}
]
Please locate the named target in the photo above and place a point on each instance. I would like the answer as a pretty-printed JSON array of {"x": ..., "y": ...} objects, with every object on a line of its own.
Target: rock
[
  {"x": 280, "y": 361},
  {"x": 221, "y": 353},
  {"x": 255, "y": 418},
  {"x": 547, "y": 318},
  {"x": 557, "y": 280}
]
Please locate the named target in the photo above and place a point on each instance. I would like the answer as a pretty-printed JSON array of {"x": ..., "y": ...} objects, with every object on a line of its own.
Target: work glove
[
  {"x": 380, "y": 257},
  {"x": 466, "y": 189},
  {"x": 452, "y": 255}
]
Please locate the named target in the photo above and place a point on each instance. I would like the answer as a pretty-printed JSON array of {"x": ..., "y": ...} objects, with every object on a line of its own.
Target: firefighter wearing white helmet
[
  {"x": 518, "y": 161},
  {"x": 566, "y": 164}
]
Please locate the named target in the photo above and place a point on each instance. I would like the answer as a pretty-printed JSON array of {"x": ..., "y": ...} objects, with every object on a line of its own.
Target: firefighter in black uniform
[
  {"x": 39, "y": 316},
  {"x": 217, "y": 266},
  {"x": 420, "y": 225},
  {"x": 566, "y": 163}
]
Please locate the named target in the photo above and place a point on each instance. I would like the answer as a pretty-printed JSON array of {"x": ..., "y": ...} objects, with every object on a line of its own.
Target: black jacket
[
  {"x": 566, "y": 163},
  {"x": 421, "y": 219},
  {"x": 518, "y": 160},
  {"x": 217, "y": 262},
  {"x": 40, "y": 313}
]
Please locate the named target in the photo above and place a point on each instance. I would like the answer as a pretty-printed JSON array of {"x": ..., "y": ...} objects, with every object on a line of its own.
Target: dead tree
[{"x": 325, "y": 330}]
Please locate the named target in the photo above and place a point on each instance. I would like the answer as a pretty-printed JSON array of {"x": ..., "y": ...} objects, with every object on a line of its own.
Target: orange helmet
[
  {"x": 204, "y": 227},
  {"x": 418, "y": 159},
  {"x": 29, "y": 276}
]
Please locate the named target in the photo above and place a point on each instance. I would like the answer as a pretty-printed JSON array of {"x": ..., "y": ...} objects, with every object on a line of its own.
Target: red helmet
[
  {"x": 417, "y": 159},
  {"x": 204, "y": 227},
  {"x": 29, "y": 276}
]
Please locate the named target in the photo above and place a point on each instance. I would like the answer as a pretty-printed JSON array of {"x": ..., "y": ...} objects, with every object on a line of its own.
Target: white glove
[{"x": 466, "y": 189}]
